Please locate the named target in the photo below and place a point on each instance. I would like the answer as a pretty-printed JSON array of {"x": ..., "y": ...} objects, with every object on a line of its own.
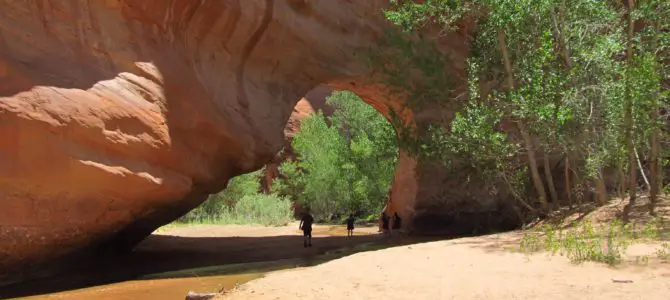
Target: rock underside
[{"x": 119, "y": 116}]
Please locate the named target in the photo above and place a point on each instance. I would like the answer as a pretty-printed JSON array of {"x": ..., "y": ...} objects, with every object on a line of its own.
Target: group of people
[
  {"x": 306, "y": 226},
  {"x": 388, "y": 222}
]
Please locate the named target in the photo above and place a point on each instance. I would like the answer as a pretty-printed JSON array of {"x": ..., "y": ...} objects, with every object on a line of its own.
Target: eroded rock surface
[
  {"x": 118, "y": 116},
  {"x": 314, "y": 101}
]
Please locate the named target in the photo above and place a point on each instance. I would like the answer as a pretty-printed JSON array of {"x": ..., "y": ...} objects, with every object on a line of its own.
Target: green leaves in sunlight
[{"x": 345, "y": 162}]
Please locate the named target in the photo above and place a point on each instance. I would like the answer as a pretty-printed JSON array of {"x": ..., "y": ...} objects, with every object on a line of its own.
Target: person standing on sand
[
  {"x": 390, "y": 215},
  {"x": 350, "y": 225},
  {"x": 397, "y": 222},
  {"x": 380, "y": 222},
  {"x": 384, "y": 223},
  {"x": 306, "y": 227}
]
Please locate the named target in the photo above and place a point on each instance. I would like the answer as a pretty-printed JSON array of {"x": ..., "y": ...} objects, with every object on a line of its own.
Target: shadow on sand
[{"x": 166, "y": 256}]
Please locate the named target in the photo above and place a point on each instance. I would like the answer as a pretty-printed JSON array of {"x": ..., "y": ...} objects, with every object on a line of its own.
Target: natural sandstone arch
[
  {"x": 313, "y": 101},
  {"x": 118, "y": 116},
  {"x": 404, "y": 184}
]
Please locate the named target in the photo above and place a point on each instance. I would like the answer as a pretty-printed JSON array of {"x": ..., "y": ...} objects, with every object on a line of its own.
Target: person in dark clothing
[
  {"x": 397, "y": 222},
  {"x": 306, "y": 227},
  {"x": 385, "y": 222},
  {"x": 350, "y": 225}
]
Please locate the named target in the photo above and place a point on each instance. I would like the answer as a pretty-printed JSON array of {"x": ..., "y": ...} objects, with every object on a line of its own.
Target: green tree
[
  {"x": 345, "y": 162},
  {"x": 574, "y": 75},
  {"x": 218, "y": 204}
]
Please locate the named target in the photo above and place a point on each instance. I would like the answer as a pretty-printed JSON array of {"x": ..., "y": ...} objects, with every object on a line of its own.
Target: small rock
[
  {"x": 199, "y": 296},
  {"x": 622, "y": 281}
]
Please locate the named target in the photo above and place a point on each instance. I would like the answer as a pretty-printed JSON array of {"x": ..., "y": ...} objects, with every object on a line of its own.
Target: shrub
[
  {"x": 260, "y": 209},
  {"x": 586, "y": 242},
  {"x": 268, "y": 210}
]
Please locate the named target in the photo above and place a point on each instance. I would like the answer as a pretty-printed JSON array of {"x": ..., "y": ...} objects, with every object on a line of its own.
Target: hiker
[
  {"x": 306, "y": 227},
  {"x": 385, "y": 222},
  {"x": 397, "y": 222},
  {"x": 350, "y": 225},
  {"x": 380, "y": 221},
  {"x": 391, "y": 215}
]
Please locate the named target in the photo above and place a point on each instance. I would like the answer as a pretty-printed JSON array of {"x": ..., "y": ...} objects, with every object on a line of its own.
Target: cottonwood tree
[{"x": 574, "y": 75}]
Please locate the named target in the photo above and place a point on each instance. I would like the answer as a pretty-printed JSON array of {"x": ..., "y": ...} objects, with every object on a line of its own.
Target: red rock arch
[{"x": 119, "y": 116}]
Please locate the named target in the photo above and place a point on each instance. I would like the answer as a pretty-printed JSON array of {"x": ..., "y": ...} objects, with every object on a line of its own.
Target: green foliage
[
  {"x": 256, "y": 208},
  {"x": 664, "y": 251},
  {"x": 345, "y": 165},
  {"x": 219, "y": 204},
  {"x": 584, "y": 241},
  {"x": 410, "y": 15},
  {"x": 571, "y": 82},
  {"x": 262, "y": 209},
  {"x": 345, "y": 162}
]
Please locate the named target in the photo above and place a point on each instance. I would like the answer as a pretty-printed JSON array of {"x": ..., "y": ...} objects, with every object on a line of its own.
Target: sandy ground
[
  {"x": 467, "y": 268},
  {"x": 176, "y": 248}
]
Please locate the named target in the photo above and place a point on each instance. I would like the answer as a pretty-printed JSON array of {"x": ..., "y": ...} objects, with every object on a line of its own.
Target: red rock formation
[
  {"x": 314, "y": 101},
  {"x": 119, "y": 116}
]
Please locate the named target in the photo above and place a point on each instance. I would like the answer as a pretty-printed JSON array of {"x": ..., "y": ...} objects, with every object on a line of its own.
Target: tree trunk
[
  {"x": 565, "y": 51},
  {"x": 622, "y": 182},
  {"x": 515, "y": 194},
  {"x": 537, "y": 180},
  {"x": 558, "y": 30},
  {"x": 654, "y": 167},
  {"x": 630, "y": 147},
  {"x": 550, "y": 180},
  {"x": 566, "y": 174},
  {"x": 639, "y": 164},
  {"x": 601, "y": 190}
]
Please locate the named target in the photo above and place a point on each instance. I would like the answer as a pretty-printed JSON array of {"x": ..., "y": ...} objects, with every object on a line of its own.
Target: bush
[
  {"x": 241, "y": 203},
  {"x": 260, "y": 209},
  {"x": 218, "y": 204},
  {"x": 345, "y": 162},
  {"x": 586, "y": 242},
  {"x": 268, "y": 210}
]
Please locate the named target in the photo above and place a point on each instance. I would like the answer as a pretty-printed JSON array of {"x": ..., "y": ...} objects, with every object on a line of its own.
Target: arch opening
[{"x": 339, "y": 157}]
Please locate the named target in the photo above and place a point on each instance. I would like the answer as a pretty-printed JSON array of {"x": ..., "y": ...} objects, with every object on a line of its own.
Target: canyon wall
[
  {"x": 314, "y": 101},
  {"x": 118, "y": 116}
]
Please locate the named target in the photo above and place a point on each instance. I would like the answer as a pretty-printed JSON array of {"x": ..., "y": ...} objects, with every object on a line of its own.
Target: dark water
[
  {"x": 170, "y": 273},
  {"x": 158, "y": 289}
]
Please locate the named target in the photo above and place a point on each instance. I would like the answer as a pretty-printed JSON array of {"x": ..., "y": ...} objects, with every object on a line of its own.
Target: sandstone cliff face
[
  {"x": 118, "y": 116},
  {"x": 314, "y": 101}
]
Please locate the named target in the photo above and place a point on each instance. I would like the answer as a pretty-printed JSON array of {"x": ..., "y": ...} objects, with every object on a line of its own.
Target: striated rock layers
[
  {"x": 314, "y": 101},
  {"x": 118, "y": 116}
]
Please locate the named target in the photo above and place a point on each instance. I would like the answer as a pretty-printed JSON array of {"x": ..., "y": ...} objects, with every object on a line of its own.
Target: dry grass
[{"x": 597, "y": 234}]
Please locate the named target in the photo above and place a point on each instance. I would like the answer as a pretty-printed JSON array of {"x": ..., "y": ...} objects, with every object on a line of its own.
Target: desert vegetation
[
  {"x": 565, "y": 105},
  {"x": 566, "y": 101}
]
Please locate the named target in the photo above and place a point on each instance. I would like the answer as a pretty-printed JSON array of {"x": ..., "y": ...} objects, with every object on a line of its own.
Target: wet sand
[
  {"x": 172, "y": 288},
  {"x": 178, "y": 248}
]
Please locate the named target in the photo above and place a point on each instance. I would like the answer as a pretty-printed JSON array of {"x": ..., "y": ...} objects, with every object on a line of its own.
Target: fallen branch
[
  {"x": 200, "y": 296},
  {"x": 644, "y": 176}
]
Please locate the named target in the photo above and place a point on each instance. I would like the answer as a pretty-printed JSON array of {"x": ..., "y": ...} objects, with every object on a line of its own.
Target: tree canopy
[
  {"x": 579, "y": 79},
  {"x": 345, "y": 162}
]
